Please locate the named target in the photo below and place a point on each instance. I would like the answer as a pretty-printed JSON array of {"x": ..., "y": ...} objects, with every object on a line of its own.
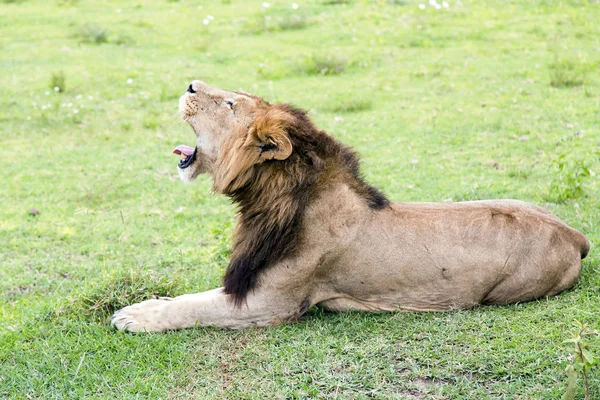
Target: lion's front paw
[{"x": 147, "y": 316}]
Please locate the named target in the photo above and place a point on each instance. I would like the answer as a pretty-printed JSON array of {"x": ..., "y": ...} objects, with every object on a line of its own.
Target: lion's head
[{"x": 234, "y": 130}]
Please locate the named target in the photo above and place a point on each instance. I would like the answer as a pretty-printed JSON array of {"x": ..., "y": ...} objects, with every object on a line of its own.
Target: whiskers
[
  {"x": 177, "y": 122},
  {"x": 178, "y": 118}
]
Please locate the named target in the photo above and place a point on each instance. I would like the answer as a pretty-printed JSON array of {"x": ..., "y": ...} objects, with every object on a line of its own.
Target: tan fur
[
  {"x": 353, "y": 250},
  {"x": 235, "y": 159}
]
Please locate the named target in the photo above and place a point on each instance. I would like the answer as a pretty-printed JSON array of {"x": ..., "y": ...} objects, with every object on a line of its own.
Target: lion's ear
[
  {"x": 270, "y": 136},
  {"x": 275, "y": 147}
]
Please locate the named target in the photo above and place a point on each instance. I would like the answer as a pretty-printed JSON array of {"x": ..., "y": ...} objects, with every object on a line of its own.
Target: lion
[{"x": 311, "y": 232}]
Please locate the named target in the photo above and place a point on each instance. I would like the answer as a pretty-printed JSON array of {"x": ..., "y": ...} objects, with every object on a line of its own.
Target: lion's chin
[{"x": 186, "y": 174}]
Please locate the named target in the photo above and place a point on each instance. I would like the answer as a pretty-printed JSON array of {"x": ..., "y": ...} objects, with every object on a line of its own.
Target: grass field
[{"x": 479, "y": 100}]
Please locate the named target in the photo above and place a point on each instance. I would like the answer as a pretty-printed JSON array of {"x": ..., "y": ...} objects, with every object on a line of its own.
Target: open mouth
[{"x": 187, "y": 153}]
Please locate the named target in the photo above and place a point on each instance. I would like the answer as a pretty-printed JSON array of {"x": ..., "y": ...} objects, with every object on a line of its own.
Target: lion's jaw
[{"x": 215, "y": 115}]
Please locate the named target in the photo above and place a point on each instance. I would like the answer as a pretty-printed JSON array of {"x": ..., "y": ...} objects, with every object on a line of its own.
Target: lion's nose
[{"x": 191, "y": 89}]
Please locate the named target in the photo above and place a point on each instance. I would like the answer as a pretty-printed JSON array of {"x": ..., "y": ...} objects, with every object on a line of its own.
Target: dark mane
[{"x": 275, "y": 194}]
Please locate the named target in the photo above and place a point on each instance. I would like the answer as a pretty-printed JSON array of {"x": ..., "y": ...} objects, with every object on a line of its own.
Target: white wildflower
[
  {"x": 265, "y": 4},
  {"x": 445, "y": 4},
  {"x": 432, "y": 3},
  {"x": 56, "y": 89},
  {"x": 206, "y": 21},
  {"x": 90, "y": 97},
  {"x": 46, "y": 93},
  {"x": 70, "y": 105},
  {"x": 118, "y": 11},
  {"x": 210, "y": 17},
  {"x": 295, "y": 6},
  {"x": 422, "y": 6},
  {"x": 75, "y": 111}
]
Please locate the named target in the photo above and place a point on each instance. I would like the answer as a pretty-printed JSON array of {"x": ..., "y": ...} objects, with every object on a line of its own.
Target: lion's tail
[{"x": 585, "y": 247}]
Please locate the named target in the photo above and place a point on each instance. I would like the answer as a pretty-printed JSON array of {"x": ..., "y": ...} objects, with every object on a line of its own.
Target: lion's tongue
[{"x": 183, "y": 149}]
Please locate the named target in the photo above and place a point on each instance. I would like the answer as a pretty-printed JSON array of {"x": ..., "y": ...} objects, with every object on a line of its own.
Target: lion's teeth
[{"x": 183, "y": 156}]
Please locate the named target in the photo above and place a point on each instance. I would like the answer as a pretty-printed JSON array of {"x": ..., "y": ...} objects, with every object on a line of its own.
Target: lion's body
[
  {"x": 429, "y": 257},
  {"x": 312, "y": 232}
]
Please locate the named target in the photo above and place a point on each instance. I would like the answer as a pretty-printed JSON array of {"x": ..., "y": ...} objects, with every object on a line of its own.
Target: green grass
[{"x": 478, "y": 101}]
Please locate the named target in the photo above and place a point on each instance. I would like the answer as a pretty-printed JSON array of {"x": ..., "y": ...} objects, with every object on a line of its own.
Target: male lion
[{"x": 311, "y": 231}]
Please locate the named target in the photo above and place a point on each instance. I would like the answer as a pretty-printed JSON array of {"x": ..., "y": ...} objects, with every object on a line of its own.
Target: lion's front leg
[{"x": 211, "y": 308}]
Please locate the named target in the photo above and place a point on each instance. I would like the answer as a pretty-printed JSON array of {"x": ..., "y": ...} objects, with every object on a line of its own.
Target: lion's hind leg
[{"x": 347, "y": 303}]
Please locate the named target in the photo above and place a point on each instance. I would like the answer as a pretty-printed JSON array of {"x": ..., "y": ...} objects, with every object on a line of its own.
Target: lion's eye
[{"x": 230, "y": 103}]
